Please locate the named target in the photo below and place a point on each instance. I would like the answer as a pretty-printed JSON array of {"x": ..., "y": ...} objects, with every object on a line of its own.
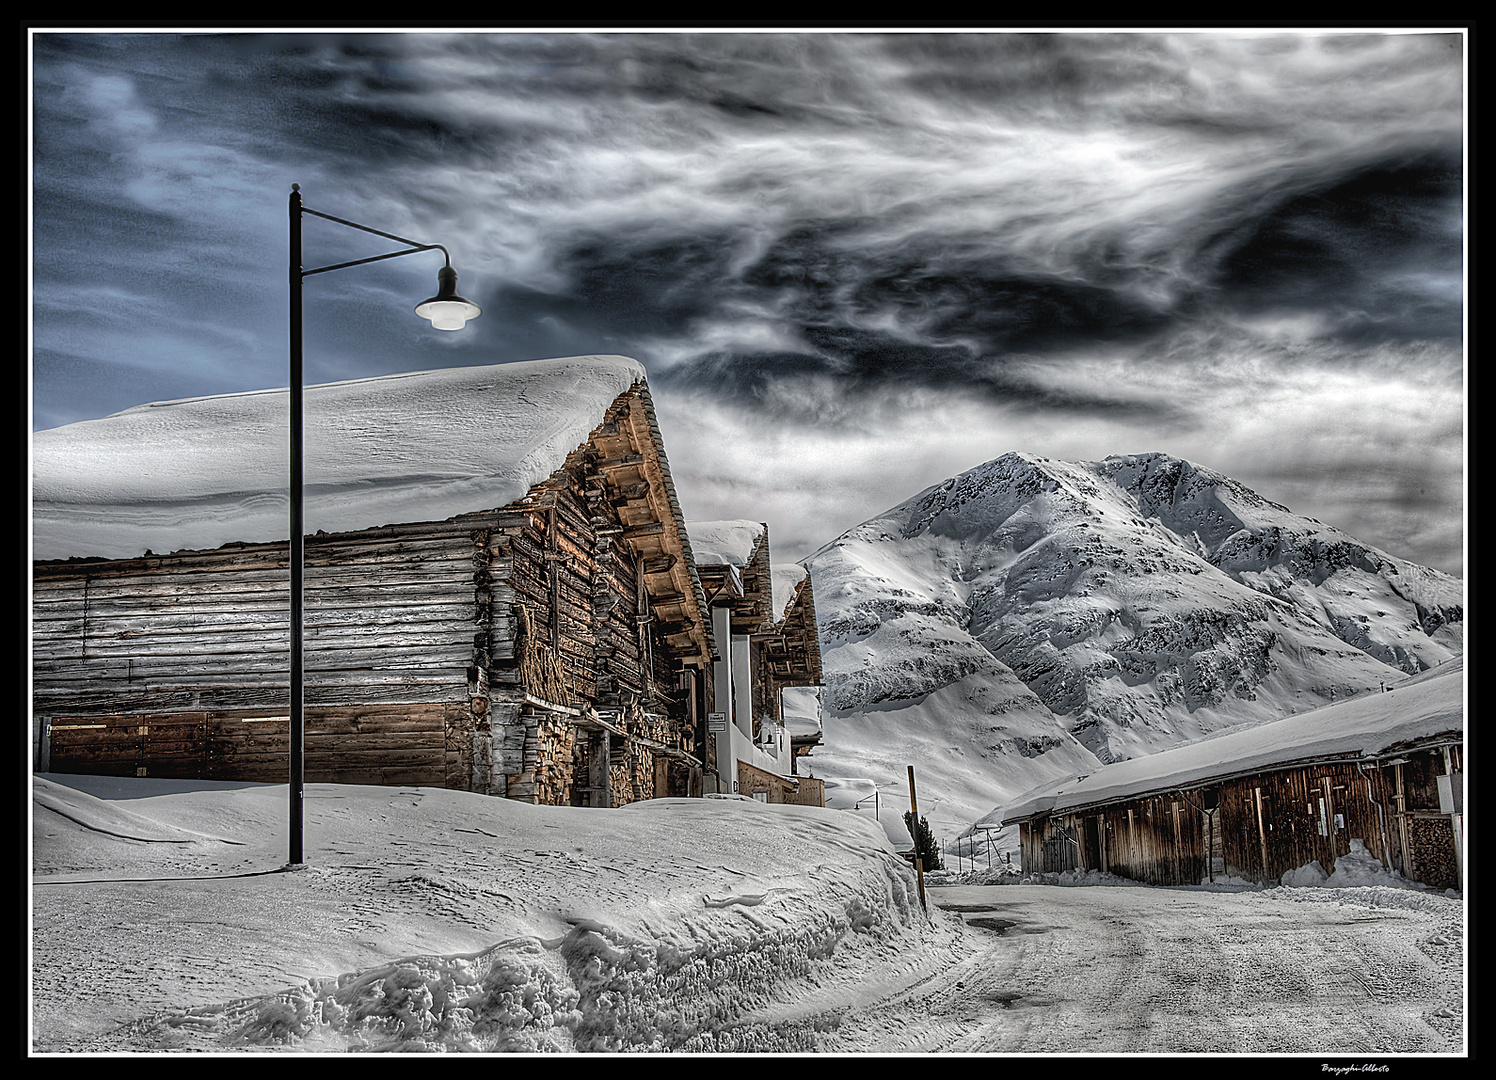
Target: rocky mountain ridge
[{"x": 1032, "y": 614}]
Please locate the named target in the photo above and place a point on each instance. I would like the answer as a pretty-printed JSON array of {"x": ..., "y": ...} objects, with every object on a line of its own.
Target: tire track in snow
[{"x": 1137, "y": 970}]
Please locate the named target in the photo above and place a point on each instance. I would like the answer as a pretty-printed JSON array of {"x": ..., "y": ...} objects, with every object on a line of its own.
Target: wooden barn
[
  {"x": 763, "y": 620},
  {"x": 1379, "y": 773},
  {"x": 500, "y": 595}
]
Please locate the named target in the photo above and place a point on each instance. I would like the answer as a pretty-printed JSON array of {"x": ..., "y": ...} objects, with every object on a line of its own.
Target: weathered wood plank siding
[
  {"x": 385, "y": 622},
  {"x": 1277, "y": 822},
  {"x": 1262, "y": 826},
  {"x": 365, "y": 745},
  {"x": 1157, "y": 840}
]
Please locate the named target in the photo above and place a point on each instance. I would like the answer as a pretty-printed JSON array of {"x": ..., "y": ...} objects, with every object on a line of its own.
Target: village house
[
  {"x": 763, "y": 620},
  {"x": 1379, "y": 773},
  {"x": 500, "y": 596}
]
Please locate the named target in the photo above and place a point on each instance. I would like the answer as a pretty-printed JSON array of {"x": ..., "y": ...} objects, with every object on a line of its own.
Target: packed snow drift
[
  {"x": 163, "y": 919},
  {"x": 428, "y": 919}
]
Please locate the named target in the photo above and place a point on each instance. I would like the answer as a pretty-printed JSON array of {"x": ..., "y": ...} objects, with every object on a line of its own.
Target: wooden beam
[
  {"x": 648, "y": 528},
  {"x": 624, "y": 462}
]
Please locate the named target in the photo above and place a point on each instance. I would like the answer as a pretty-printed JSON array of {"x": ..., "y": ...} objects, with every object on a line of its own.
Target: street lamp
[{"x": 447, "y": 311}]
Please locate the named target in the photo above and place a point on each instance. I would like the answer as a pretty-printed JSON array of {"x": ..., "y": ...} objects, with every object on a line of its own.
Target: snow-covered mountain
[{"x": 1032, "y": 617}]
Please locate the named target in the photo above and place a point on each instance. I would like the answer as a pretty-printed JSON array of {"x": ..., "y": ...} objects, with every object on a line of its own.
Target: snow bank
[
  {"x": 1357, "y": 869},
  {"x": 1077, "y": 877},
  {"x": 1310, "y": 875},
  {"x": 424, "y": 446},
  {"x": 439, "y": 920}
]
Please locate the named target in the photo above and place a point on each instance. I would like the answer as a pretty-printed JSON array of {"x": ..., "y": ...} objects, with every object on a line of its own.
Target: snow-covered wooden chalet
[
  {"x": 1386, "y": 770},
  {"x": 764, "y": 624},
  {"x": 500, "y": 594}
]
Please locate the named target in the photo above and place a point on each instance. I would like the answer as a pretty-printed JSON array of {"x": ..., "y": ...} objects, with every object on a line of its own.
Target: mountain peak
[{"x": 1132, "y": 603}]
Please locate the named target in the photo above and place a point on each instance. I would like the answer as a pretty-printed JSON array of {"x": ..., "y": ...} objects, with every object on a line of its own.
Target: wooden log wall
[
  {"x": 388, "y": 619},
  {"x": 1280, "y": 821},
  {"x": 483, "y": 639},
  {"x": 418, "y": 744},
  {"x": 581, "y": 598},
  {"x": 584, "y": 637}
]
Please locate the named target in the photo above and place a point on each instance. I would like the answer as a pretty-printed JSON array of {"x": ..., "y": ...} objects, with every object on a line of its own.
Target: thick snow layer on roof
[
  {"x": 786, "y": 577},
  {"x": 724, "y": 543},
  {"x": 423, "y": 446},
  {"x": 1421, "y": 707},
  {"x": 801, "y": 710}
]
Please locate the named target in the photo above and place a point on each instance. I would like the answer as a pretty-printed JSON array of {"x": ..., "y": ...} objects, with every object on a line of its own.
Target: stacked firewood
[
  {"x": 555, "y": 737},
  {"x": 539, "y": 667},
  {"x": 1434, "y": 860}
]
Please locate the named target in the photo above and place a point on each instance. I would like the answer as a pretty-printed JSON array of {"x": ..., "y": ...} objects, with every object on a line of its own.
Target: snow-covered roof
[
  {"x": 423, "y": 446},
  {"x": 1425, "y": 706},
  {"x": 725, "y": 543},
  {"x": 801, "y": 709},
  {"x": 786, "y": 577}
]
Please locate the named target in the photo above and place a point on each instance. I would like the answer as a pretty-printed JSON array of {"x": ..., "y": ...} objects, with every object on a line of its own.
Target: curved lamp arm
[{"x": 446, "y": 310}]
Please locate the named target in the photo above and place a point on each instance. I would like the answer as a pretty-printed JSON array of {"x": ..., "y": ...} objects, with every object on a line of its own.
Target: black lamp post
[{"x": 447, "y": 311}]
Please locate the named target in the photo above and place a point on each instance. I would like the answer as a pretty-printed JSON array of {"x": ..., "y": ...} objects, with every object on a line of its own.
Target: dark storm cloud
[
  {"x": 959, "y": 308},
  {"x": 941, "y": 289},
  {"x": 1374, "y": 248},
  {"x": 660, "y": 285}
]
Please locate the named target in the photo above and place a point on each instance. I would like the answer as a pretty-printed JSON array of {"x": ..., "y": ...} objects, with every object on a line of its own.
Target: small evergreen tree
[{"x": 924, "y": 842}]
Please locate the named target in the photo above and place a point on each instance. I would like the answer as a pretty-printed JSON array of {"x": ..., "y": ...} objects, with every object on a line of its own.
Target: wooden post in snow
[
  {"x": 919, "y": 862},
  {"x": 1261, "y": 836}
]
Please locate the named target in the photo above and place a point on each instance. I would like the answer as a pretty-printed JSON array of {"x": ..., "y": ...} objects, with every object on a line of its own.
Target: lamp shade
[{"x": 447, "y": 310}]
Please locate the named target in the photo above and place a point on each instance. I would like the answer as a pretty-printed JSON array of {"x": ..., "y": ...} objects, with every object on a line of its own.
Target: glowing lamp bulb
[{"x": 447, "y": 310}]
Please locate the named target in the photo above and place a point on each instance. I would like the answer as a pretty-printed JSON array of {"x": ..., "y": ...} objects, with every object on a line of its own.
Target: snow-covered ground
[
  {"x": 163, "y": 919},
  {"x": 442, "y": 920}
]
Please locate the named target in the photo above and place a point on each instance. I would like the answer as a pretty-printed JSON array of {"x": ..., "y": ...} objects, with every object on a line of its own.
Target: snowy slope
[
  {"x": 424, "y": 446},
  {"x": 984, "y": 626},
  {"x": 907, "y": 683}
]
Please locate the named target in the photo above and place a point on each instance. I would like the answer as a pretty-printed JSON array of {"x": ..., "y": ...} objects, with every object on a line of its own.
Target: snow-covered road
[{"x": 1146, "y": 970}]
